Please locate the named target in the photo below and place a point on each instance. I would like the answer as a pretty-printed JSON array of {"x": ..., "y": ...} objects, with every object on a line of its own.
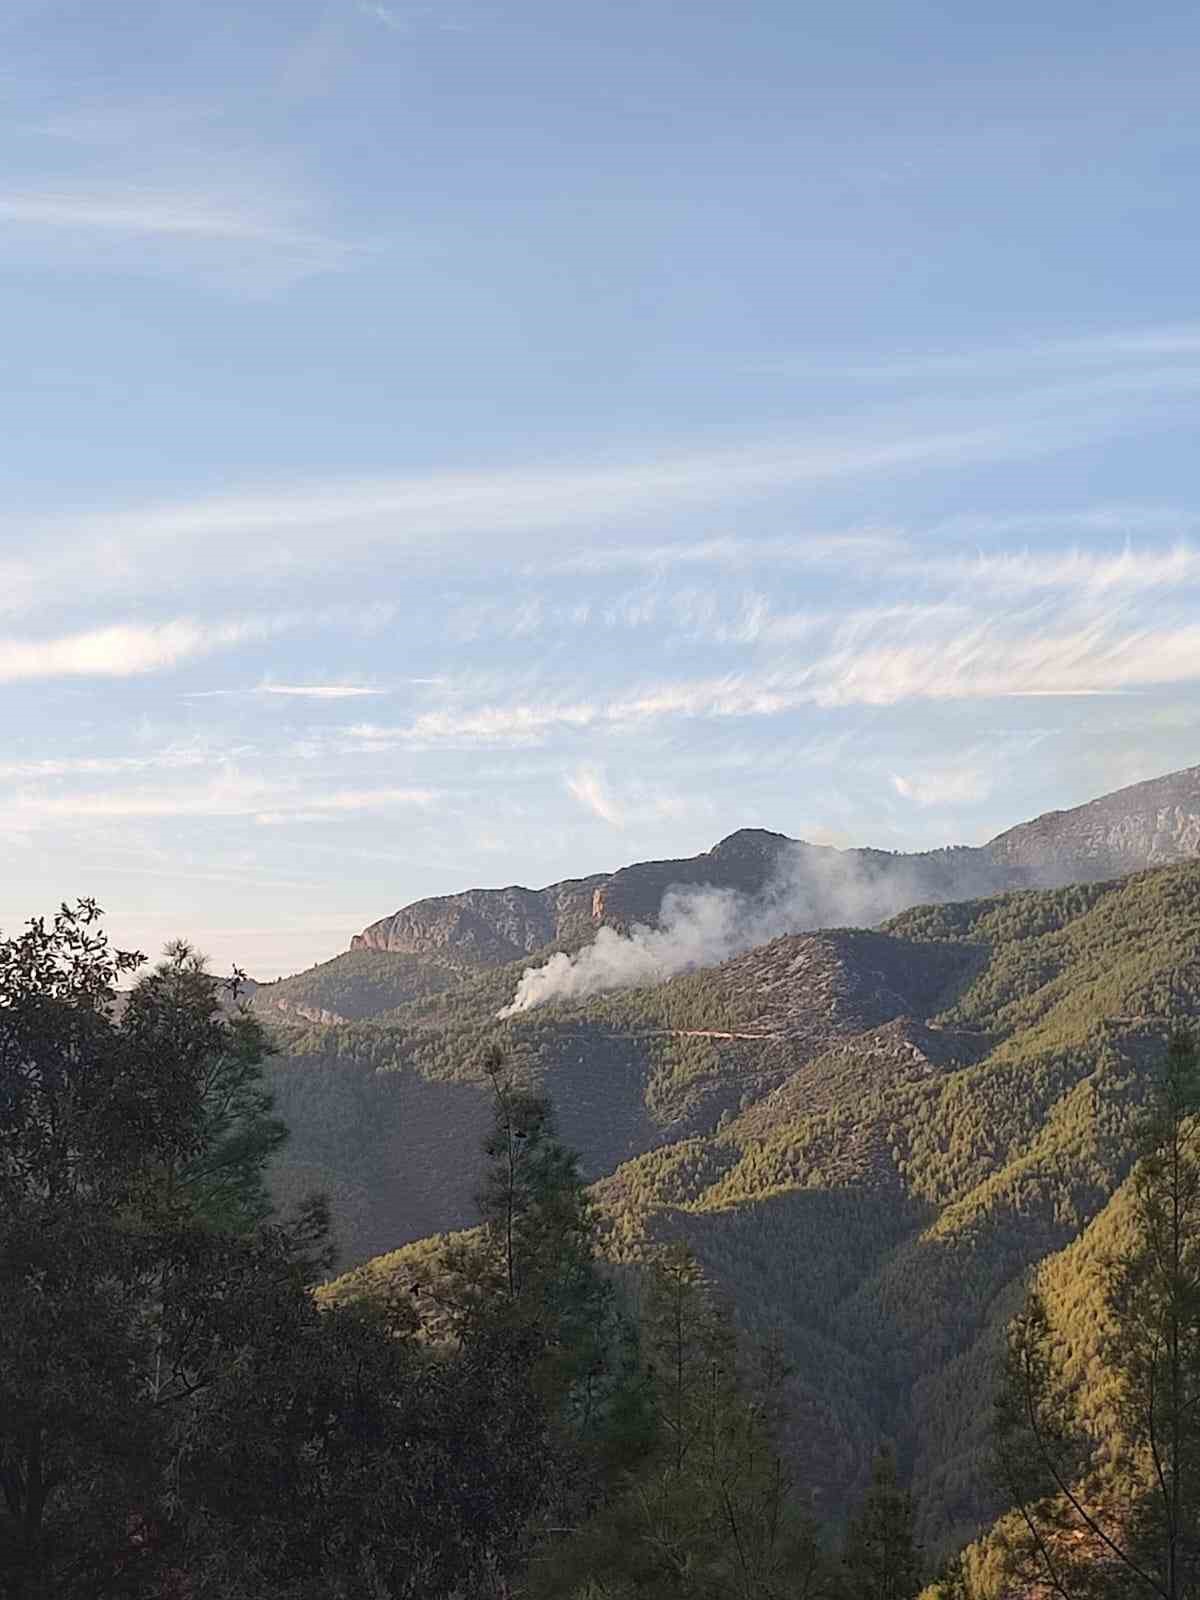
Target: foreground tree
[
  {"x": 180, "y": 1010},
  {"x": 131, "y": 1144},
  {"x": 526, "y": 1286},
  {"x": 344, "y": 1458},
  {"x": 707, "y": 1513},
  {"x": 1081, "y": 1536},
  {"x": 178, "y": 1415},
  {"x": 882, "y": 1560}
]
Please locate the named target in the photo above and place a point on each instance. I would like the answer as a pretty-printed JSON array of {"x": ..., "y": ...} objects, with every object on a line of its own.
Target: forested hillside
[{"x": 866, "y": 1137}]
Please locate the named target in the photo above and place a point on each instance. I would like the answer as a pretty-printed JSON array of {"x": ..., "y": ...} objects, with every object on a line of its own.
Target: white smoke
[
  {"x": 698, "y": 928},
  {"x": 702, "y": 926}
]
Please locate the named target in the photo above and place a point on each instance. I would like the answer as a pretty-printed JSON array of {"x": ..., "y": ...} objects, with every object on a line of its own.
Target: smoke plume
[{"x": 814, "y": 887}]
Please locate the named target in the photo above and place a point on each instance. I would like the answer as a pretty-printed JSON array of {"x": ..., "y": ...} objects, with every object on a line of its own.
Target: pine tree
[
  {"x": 526, "y": 1288},
  {"x": 882, "y": 1560},
  {"x": 125, "y": 1286},
  {"x": 178, "y": 1416},
  {"x": 707, "y": 1513},
  {"x": 182, "y": 1007}
]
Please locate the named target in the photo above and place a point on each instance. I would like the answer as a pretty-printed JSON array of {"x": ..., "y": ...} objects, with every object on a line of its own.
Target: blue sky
[{"x": 482, "y": 442}]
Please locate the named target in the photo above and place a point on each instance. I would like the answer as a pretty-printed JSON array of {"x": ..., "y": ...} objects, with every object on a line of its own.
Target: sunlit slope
[
  {"x": 356, "y": 985},
  {"x": 387, "y": 1115},
  {"x": 867, "y": 1137}
]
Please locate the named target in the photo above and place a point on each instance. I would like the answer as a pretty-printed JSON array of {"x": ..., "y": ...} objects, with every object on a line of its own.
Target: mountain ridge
[
  {"x": 1144, "y": 824},
  {"x": 433, "y": 945}
]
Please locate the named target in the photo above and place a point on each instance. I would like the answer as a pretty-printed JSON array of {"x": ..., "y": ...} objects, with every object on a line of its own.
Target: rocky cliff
[
  {"x": 487, "y": 927},
  {"x": 1147, "y": 825}
]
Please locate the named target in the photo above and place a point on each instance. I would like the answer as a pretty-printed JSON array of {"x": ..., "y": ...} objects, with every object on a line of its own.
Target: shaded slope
[{"x": 387, "y": 1114}]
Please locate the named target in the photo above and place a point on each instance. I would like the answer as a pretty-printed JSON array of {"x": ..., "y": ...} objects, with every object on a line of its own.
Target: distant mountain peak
[{"x": 746, "y": 843}]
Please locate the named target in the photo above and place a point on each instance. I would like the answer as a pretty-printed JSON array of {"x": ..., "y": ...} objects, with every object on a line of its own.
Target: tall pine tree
[
  {"x": 882, "y": 1560},
  {"x": 706, "y": 1513}
]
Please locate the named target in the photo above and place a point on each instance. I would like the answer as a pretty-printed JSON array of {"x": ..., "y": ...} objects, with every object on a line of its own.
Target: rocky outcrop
[
  {"x": 488, "y": 927},
  {"x": 484, "y": 927}
]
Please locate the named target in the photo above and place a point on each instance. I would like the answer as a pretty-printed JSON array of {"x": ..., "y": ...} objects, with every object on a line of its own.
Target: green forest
[
  {"x": 917, "y": 1117},
  {"x": 863, "y": 1264}
]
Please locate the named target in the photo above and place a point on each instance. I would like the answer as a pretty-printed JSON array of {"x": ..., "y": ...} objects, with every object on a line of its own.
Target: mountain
[
  {"x": 435, "y": 944},
  {"x": 866, "y": 1136},
  {"x": 487, "y": 927}
]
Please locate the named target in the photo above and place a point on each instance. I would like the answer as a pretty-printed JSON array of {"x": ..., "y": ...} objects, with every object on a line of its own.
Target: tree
[
  {"x": 178, "y": 1414},
  {"x": 342, "y": 1457},
  {"x": 706, "y": 1514},
  {"x": 181, "y": 1009},
  {"x": 528, "y": 1278},
  {"x": 131, "y": 1141},
  {"x": 882, "y": 1560},
  {"x": 1079, "y": 1536}
]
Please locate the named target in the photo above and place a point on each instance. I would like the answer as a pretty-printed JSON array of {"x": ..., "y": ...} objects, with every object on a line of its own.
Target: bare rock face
[
  {"x": 484, "y": 927},
  {"x": 1149, "y": 824},
  {"x": 488, "y": 927}
]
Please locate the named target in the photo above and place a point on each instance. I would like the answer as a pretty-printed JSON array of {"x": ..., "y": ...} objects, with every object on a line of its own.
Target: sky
[{"x": 490, "y": 441}]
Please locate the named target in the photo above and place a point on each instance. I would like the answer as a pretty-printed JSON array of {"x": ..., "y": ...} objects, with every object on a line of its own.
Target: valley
[{"x": 867, "y": 1136}]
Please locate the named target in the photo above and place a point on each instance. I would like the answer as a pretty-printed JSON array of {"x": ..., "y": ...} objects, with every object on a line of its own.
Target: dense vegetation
[
  {"x": 181, "y": 1416},
  {"x": 753, "y": 1361},
  {"x": 919, "y": 1115},
  {"x": 357, "y": 984}
]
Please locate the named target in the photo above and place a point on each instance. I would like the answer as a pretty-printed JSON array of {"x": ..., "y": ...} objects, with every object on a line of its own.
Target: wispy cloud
[
  {"x": 880, "y": 657},
  {"x": 1120, "y": 519},
  {"x": 407, "y": 19},
  {"x": 1105, "y": 652},
  {"x": 97, "y": 766},
  {"x": 113, "y": 124},
  {"x": 286, "y": 532},
  {"x": 125, "y": 650},
  {"x": 719, "y": 613},
  {"x": 386, "y": 15},
  {"x": 499, "y": 725},
  {"x": 1105, "y": 348},
  {"x": 231, "y": 794},
  {"x": 311, "y": 807},
  {"x": 587, "y": 785},
  {"x": 283, "y": 533},
  {"x": 320, "y": 691},
  {"x": 638, "y": 801},
  {"x": 140, "y": 211},
  {"x": 1077, "y": 571},
  {"x": 802, "y": 549},
  {"x": 944, "y": 786}
]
